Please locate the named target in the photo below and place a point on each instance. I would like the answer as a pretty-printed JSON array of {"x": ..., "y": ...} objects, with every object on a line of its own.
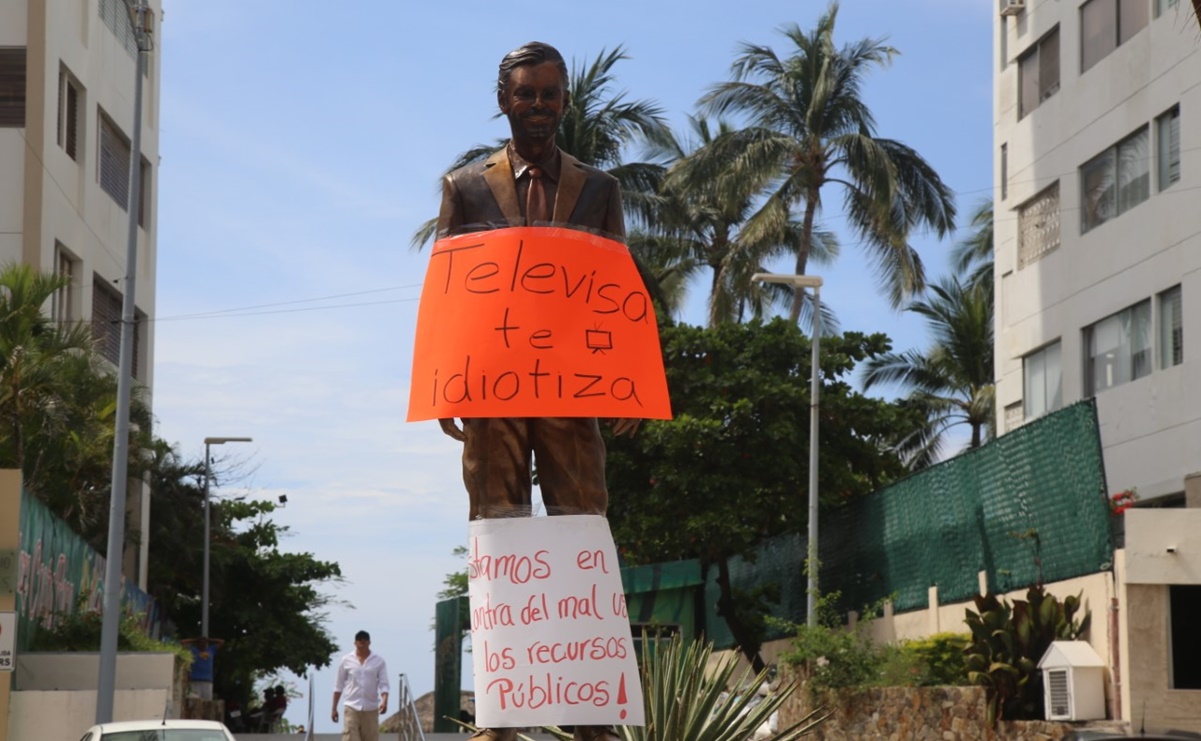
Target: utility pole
[{"x": 140, "y": 19}]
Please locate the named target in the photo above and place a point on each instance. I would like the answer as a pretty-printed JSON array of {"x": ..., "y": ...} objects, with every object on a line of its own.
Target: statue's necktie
[{"x": 536, "y": 208}]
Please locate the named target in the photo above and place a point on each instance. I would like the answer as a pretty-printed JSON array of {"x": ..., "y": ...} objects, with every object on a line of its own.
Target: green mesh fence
[{"x": 976, "y": 512}]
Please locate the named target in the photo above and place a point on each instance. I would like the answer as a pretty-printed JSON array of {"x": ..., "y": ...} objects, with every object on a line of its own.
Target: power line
[
  {"x": 245, "y": 311},
  {"x": 218, "y": 312}
]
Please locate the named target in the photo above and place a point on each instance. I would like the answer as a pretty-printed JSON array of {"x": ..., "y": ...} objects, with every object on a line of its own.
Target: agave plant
[{"x": 686, "y": 700}]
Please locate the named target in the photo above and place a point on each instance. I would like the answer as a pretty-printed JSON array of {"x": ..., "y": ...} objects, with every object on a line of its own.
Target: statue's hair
[{"x": 535, "y": 52}]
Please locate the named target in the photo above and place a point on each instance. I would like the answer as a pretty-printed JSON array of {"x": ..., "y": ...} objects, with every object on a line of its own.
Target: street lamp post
[
  {"x": 208, "y": 472},
  {"x": 811, "y": 568},
  {"x": 140, "y": 19}
]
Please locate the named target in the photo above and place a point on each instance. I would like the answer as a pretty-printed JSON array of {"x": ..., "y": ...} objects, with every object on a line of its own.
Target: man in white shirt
[{"x": 361, "y": 684}]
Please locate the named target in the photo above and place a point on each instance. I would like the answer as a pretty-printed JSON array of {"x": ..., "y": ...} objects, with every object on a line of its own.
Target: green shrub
[
  {"x": 80, "y": 631},
  {"x": 832, "y": 657},
  {"x": 1007, "y": 642},
  {"x": 942, "y": 657}
]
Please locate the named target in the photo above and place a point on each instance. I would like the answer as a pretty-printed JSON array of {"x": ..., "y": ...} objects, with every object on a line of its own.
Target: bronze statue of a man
[{"x": 529, "y": 182}]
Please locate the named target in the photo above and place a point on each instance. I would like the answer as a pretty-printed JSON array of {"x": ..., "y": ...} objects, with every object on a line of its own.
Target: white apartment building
[
  {"x": 1098, "y": 230},
  {"x": 1097, "y": 129},
  {"x": 67, "y": 86}
]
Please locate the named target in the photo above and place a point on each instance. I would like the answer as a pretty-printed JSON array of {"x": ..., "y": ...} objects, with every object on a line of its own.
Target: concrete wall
[
  {"x": 1163, "y": 546},
  {"x": 81, "y": 671},
  {"x": 64, "y": 716},
  {"x": 1146, "y": 570}
]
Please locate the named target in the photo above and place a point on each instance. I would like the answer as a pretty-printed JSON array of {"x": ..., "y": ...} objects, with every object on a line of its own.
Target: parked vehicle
[
  {"x": 1087, "y": 735},
  {"x": 159, "y": 730}
]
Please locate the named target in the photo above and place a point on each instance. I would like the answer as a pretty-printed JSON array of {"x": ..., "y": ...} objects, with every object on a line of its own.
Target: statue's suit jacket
[
  {"x": 483, "y": 196},
  {"x": 570, "y": 451}
]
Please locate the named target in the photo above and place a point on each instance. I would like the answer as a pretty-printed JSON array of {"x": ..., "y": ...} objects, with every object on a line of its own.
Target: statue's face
[{"x": 533, "y": 100}]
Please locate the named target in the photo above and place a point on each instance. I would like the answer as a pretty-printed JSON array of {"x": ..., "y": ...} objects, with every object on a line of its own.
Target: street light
[
  {"x": 141, "y": 21},
  {"x": 814, "y": 282},
  {"x": 204, "y": 597}
]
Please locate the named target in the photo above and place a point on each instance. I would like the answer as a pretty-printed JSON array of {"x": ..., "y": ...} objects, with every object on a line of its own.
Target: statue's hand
[
  {"x": 450, "y": 427},
  {"x": 624, "y": 426}
]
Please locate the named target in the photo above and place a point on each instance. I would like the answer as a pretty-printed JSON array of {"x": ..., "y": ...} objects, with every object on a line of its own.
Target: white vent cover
[{"x": 1059, "y": 697}]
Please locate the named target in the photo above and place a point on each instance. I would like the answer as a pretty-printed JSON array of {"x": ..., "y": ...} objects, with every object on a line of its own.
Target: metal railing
[{"x": 409, "y": 726}]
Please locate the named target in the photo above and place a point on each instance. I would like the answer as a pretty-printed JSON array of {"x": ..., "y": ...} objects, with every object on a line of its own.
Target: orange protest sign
[{"x": 535, "y": 322}]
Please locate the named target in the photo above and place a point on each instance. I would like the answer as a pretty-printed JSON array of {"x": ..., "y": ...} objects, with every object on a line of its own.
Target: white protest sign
[
  {"x": 550, "y": 635},
  {"x": 8, "y": 641}
]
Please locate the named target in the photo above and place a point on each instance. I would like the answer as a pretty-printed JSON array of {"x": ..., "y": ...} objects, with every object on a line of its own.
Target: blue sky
[{"x": 301, "y": 146}]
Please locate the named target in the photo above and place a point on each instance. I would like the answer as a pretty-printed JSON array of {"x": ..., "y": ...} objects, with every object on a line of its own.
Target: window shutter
[
  {"x": 114, "y": 163},
  {"x": 70, "y": 135},
  {"x": 12, "y": 87}
]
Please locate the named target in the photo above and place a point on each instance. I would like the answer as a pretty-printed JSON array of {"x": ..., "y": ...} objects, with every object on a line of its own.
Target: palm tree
[
  {"x": 704, "y": 219},
  {"x": 810, "y": 128},
  {"x": 598, "y": 126},
  {"x": 34, "y": 351},
  {"x": 973, "y": 257},
  {"x": 952, "y": 382},
  {"x": 58, "y": 405}
]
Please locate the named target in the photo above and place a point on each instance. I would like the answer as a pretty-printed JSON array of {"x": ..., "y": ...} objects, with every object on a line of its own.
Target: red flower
[{"x": 1122, "y": 501}]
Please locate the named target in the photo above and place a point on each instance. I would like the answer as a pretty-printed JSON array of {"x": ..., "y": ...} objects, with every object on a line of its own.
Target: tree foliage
[
  {"x": 809, "y": 130},
  {"x": 730, "y": 469},
  {"x": 950, "y": 383},
  {"x": 265, "y": 603},
  {"x": 58, "y": 406}
]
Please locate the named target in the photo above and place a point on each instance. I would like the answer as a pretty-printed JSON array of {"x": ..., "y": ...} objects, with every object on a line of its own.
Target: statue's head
[{"x": 531, "y": 89}]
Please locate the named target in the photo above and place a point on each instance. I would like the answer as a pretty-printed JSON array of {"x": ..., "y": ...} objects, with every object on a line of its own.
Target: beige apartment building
[
  {"x": 1097, "y": 129},
  {"x": 67, "y": 87}
]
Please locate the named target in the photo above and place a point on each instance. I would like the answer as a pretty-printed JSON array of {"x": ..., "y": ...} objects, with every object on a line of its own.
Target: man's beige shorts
[{"x": 360, "y": 725}]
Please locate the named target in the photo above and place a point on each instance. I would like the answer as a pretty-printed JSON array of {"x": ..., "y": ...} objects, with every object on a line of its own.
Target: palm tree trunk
[
  {"x": 802, "y": 258},
  {"x": 714, "y": 296}
]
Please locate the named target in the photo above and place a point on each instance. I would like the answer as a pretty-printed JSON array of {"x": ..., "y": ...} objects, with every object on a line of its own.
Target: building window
[
  {"x": 1107, "y": 24},
  {"x": 106, "y": 324},
  {"x": 1185, "y": 605},
  {"x": 1162, "y": 6},
  {"x": 1042, "y": 374},
  {"x": 1171, "y": 328},
  {"x": 12, "y": 87},
  {"x": 1004, "y": 171},
  {"x": 116, "y": 16},
  {"x": 1167, "y": 134},
  {"x": 113, "y": 169},
  {"x": 1038, "y": 73},
  {"x": 70, "y": 99},
  {"x": 1116, "y": 180},
  {"x": 65, "y": 304},
  {"x": 1119, "y": 348},
  {"x": 1038, "y": 226},
  {"x": 144, "y": 192}
]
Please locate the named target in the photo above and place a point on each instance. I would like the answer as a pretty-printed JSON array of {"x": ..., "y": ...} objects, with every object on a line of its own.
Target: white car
[{"x": 159, "y": 730}]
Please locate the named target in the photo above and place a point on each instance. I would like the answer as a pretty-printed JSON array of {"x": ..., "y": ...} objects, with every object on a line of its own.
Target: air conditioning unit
[
  {"x": 1073, "y": 681},
  {"x": 1012, "y": 7}
]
